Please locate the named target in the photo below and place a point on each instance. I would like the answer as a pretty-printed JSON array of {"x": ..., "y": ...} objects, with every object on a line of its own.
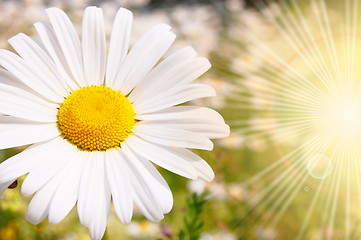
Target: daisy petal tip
[
  {"x": 164, "y": 26},
  {"x": 172, "y": 36},
  {"x": 26, "y": 190},
  {"x": 90, "y": 8},
  {"x": 207, "y": 64},
  {"x": 37, "y": 24},
  {"x": 32, "y": 218},
  {"x": 26, "y": 193},
  {"x": 193, "y": 177},
  {"x": 167, "y": 211},
  {"x": 52, "y": 10},
  {"x": 55, "y": 216},
  {"x": 54, "y": 220},
  {"x": 125, "y": 220},
  {"x": 96, "y": 232},
  {"x": 32, "y": 221},
  {"x": 191, "y": 50},
  {"x": 14, "y": 38},
  {"x": 125, "y": 217},
  {"x": 125, "y": 12},
  {"x": 168, "y": 208},
  {"x": 209, "y": 146},
  {"x": 96, "y": 235},
  {"x": 4, "y": 52},
  {"x": 227, "y": 130},
  {"x": 213, "y": 93},
  {"x": 158, "y": 219},
  {"x": 209, "y": 177}
]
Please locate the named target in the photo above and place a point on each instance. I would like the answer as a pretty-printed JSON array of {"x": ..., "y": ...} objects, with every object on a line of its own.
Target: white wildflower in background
[
  {"x": 235, "y": 6},
  {"x": 197, "y": 186},
  {"x": 255, "y": 22},
  {"x": 237, "y": 192},
  {"x": 248, "y": 61},
  {"x": 143, "y": 229},
  {"x": 18, "y": 16},
  {"x": 266, "y": 233},
  {"x": 146, "y": 20},
  {"x": 223, "y": 89},
  {"x": 215, "y": 190},
  {"x": 219, "y": 190},
  {"x": 257, "y": 144},
  {"x": 133, "y": 3},
  {"x": 96, "y": 122},
  {"x": 199, "y": 27},
  {"x": 234, "y": 140},
  {"x": 223, "y": 235}
]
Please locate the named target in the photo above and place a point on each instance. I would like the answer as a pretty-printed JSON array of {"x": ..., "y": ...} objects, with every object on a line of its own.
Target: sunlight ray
[{"x": 308, "y": 89}]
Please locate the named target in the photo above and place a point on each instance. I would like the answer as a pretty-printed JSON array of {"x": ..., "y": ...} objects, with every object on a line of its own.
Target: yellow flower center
[{"x": 96, "y": 118}]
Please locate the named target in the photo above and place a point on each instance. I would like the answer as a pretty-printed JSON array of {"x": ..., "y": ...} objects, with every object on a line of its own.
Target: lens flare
[{"x": 319, "y": 166}]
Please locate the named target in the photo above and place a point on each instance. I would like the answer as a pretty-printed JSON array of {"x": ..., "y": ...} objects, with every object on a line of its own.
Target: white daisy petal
[
  {"x": 119, "y": 43},
  {"x": 184, "y": 114},
  {"x": 66, "y": 194},
  {"x": 119, "y": 183},
  {"x": 9, "y": 79},
  {"x": 84, "y": 216},
  {"x": 101, "y": 212},
  {"x": 201, "y": 120},
  {"x": 202, "y": 167},
  {"x": 24, "y": 72},
  {"x": 20, "y": 103},
  {"x": 177, "y": 160},
  {"x": 38, "y": 207},
  {"x": 69, "y": 42},
  {"x": 149, "y": 177},
  {"x": 52, "y": 45},
  {"x": 93, "y": 45},
  {"x": 206, "y": 130},
  {"x": 173, "y": 97},
  {"x": 91, "y": 188},
  {"x": 25, "y": 161},
  {"x": 16, "y": 132},
  {"x": 84, "y": 188},
  {"x": 48, "y": 167},
  {"x": 142, "y": 57},
  {"x": 185, "y": 54},
  {"x": 172, "y": 137},
  {"x": 41, "y": 64},
  {"x": 180, "y": 68},
  {"x": 145, "y": 203},
  {"x": 163, "y": 156}
]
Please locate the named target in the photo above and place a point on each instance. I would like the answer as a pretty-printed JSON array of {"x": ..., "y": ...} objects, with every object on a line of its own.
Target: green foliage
[{"x": 193, "y": 223}]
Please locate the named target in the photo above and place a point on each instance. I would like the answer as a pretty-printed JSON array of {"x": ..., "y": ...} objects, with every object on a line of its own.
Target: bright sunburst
[{"x": 306, "y": 94}]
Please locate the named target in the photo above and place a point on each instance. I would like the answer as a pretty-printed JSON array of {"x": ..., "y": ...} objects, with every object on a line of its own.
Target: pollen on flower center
[{"x": 96, "y": 118}]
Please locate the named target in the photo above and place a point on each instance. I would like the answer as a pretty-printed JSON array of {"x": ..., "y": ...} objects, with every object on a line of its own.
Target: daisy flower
[{"x": 96, "y": 121}]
